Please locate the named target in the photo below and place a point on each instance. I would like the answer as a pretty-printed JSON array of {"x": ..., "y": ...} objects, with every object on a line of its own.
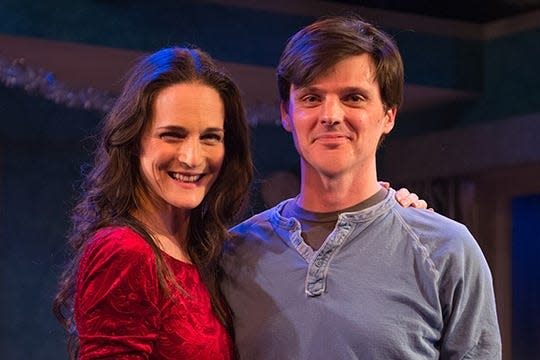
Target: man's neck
[{"x": 325, "y": 194}]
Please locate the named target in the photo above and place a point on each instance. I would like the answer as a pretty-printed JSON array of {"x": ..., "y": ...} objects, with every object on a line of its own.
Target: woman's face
[{"x": 182, "y": 149}]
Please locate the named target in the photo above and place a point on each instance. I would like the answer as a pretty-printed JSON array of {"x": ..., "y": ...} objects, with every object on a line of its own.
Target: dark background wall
[
  {"x": 525, "y": 275},
  {"x": 41, "y": 152},
  {"x": 471, "y": 116}
]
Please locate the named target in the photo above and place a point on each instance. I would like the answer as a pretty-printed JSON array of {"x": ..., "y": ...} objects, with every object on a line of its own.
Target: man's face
[{"x": 337, "y": 120}]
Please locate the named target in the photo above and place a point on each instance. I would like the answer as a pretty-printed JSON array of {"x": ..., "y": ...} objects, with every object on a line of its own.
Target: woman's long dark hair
[{"x": 110, "y": 186}]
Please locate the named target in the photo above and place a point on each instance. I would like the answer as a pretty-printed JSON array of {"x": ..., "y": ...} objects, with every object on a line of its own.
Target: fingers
[
  {"x": 385, "y": 184},
  {"x": 402, "y": 197},
  {"x": 406, "y": 199},
  {"x": 420, "y": 204}
]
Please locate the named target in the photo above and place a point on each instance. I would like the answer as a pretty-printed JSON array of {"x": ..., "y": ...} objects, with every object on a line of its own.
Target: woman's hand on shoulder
[{"x": 406, "y": 198}]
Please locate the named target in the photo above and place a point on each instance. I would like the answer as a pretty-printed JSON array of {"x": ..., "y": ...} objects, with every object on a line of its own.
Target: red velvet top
[{"x": 121, "y": 313}]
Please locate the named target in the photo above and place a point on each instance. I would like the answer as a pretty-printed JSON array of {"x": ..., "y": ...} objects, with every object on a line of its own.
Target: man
[{"x": 342, "y": 271}]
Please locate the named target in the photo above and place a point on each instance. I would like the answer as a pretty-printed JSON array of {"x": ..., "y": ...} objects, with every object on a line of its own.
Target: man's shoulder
[
  {"x": 249, "y": 240},
  {"x": 423, "y": 220},
  {"x": 262, "y": 231},
  {"x": 437, "y": 233},
  {"x": 254, "y": 221}
]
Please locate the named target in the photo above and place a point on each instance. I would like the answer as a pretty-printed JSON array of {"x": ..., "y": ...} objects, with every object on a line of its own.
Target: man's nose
[{"x": 331, "y": 112}]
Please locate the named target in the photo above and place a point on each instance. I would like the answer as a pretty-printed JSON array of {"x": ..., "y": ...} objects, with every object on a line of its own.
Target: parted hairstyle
[
  {"x": 110, "y": 187},
  {"x": 316, "y": 48}
]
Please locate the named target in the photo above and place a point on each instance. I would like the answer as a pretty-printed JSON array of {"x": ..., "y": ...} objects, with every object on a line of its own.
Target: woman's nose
[{"x": 190, "y": 153}]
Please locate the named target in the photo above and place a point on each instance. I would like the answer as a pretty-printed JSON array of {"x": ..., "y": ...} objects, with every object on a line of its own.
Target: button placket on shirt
[
  {"x": 318, "y": 268},
  {"x": 295, "y": 236}
]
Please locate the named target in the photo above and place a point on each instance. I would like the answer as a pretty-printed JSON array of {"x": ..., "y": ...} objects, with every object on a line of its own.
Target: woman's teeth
[{"x": 185, "y": 178}]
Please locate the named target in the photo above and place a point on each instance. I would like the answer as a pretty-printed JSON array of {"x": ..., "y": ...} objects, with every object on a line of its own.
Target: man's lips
[{"x": 329, "y": 138}]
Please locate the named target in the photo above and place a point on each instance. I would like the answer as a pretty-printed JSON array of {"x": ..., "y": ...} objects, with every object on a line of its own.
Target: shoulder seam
[{"x": 418, "y": 244}]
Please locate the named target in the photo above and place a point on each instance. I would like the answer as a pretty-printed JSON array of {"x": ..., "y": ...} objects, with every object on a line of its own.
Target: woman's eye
[
  {"x": 213, "y": 137},
  {"x": 170, "y": 136}
]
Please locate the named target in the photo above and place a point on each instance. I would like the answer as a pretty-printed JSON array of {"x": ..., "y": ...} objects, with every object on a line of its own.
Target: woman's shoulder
[
  {"x": 120, "y": 241},
  {"x": 116, "y": 276}
]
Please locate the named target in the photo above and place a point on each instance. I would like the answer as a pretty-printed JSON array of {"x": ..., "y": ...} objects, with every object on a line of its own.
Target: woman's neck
[{"x": 168, "y": 226}]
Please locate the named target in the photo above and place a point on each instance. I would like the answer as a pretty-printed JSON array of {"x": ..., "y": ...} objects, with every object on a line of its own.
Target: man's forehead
[{"x": 362, "y": 66}]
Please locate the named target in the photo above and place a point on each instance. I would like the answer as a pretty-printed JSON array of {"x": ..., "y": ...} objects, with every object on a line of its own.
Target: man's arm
[{"x": 471, "y": 329}]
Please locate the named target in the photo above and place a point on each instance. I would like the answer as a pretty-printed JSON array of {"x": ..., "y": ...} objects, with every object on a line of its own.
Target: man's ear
[
  {"x": 285, "y": 119},
  {"x": 389, "y": 119}
]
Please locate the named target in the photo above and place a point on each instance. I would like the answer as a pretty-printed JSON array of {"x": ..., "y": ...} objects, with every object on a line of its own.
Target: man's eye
[
  {"x": 355, "y": 98},
  {"x": 310, "y": 99}
]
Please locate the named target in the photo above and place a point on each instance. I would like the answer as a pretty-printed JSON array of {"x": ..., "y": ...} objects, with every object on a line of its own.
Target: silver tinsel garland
[{"x": 18, "y": 74}]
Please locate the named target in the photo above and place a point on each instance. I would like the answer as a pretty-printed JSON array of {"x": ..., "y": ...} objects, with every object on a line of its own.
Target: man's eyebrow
[
  {"x": 309, "y": 88},
  {"x": 346, "y": 89}
]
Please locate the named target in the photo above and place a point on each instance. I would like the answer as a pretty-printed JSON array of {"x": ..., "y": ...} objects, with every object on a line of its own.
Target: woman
[{"x": 171, "y": 171}]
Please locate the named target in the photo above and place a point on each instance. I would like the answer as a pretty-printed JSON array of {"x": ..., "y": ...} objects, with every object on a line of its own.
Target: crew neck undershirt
[{"x": 316, "y": 226}]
